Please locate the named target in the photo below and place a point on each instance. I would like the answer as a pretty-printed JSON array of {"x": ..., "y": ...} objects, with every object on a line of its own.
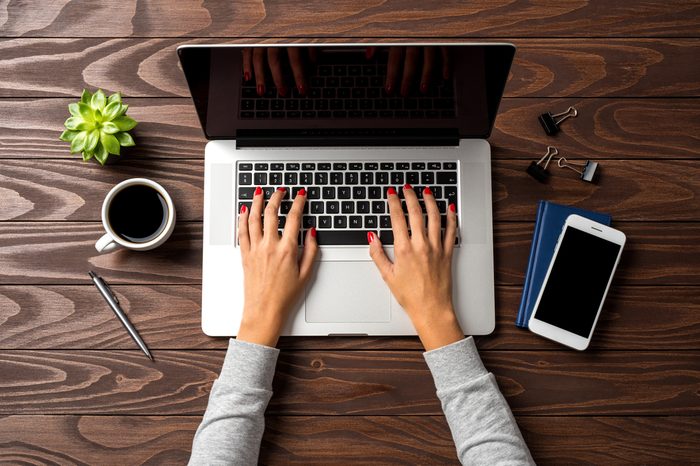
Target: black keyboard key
[
  {"x": 371, "y": 221},
  {"x": 276, "y": 178},
  {"x": 261, "y": 166},
  {"x": 347, "y": 207},
  {"x": 293, "y": 114},
  {"x": 340, "y": 221},
  {"x": 325, "y": 70},
  {"x": 243, "y": 167},
  {"x": 316, "y": 207},
  {"x": 446, "y": 177},
  {"x": 355, "y": 114},
  {"x": 340, "y": 166},
  {"x": 328, "y": 192},
  {"x": 359, "y": 192},
  {"x": 332, "y": 207},
  {"x": 313, "y": 192},
  {"x": 277, "y": 104},
  {"x": 292, "y": 166},
  {"x": 427, "y": 178},
  {"x": 277, "y": 166},
  {"x": 324, "y": 114},
  {"x": 347, "y": 82},
  {"x": 344, "y": 93},
  {"x": 308, "y": 166},
  {"x": 341, "y": 237},
  {"x": 290, "y": 178},
  {"x": 355, "y": 166},
  {"x": 245, "y": 178},
  {"x": 306, "y": 178},
  {"x": 264, "y": 114},
  {"x": 387, "y": 165},
  {"x": 363, "y": 207},
  {"x": 340, "y": 70},
  {"x": 324, "y": 221},
  {"x": 285, "y": 207},
  {"x": 418, "y": 166},
  {"x": 371, "y": 166},
  {"x": 340, "y": 114},
  {"x": 308, "y": 221},
  {"x": 336, "y": 104},
  {"x": 321, "y": 178},
  {"x": 278, "y": 114},
  {"x": 442, "y": 206},
  {"x": 434, "y": 165},
  {"x": 262, "y": 104},
  {"x": 386, "y": 237},
  {"x": 336, "y": 178},
  {"x": 382, "y": 178},
  {"x": 384, "y": 221},
  {"x": 246, "y": 193},
  {"x": 412, "y": 178},
  {"x": 324, "y": 166},
  {"x": 366, "y": 178},
  {"x": 402, "y": 166},
  {"x": 268, "y": 192},
  {"x": 378, "y": 207},
  {"x": 350, "y": 178},
  {"x": 344, "y": 192},
  {"x": 247, "y": 114},
  {"x": 450, "y": 166},
  {"x": 397, "y": 178},
  {"x": 374, "y": 192},
  {"x": 355, "y": 221},
  {"x": 451, "y": 195}
]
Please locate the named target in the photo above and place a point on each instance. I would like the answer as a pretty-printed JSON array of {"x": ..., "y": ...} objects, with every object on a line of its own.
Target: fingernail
[
  {"x": 453, "y": 208},
  {"x": 302, "y": 89},
  {"x": 246, "y": 76},
  {"x": 301, "y": 192},
  {"x": 370, "y": 237},
  {"x": 390, "y": 191},
  {"x": 243, "y": 208},
  {"x": 423, "y": 88},
  {"x": 282, "y": 189},
  {"x": 427, "y": 191},
  {"x": 389, "y": 88},
  {"x": 407, "y": 186},
  {"x": 313, "y": 231},
  {"x": 282, "y": 90},
  {"x": 368, "y": 53},
  {"x": 258, "y": 191},
  {"x": 261, "y": 89}
]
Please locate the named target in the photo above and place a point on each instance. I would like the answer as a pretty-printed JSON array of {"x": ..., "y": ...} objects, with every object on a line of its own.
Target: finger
[
  {"x": 369, "y": 52},
  {"x": 254, "y": 218},
  {"x": 306, "y": 264},
  {"x": 446, "y": 65},
  {"x": 259, "y": 67},
  {"x": 247, "y": 63},
  {"x": 271, "y": 220},
  {"x": 428, "y": 65},
  {"x": 243, "y": 236},
  {"x": 291, "y": 228},
  {"x": 433, "y": 218},
  {"x": 415, "y": 214},
  {"x": 398, "y": 221},
  {"x": 275, "y": 64},
  {"x": 297, "y": 63},
  {"x": 450, "y": 230},
  {"x": 376, "y": 252},
  {"x": 410, "y": 66},
  {"x": 393, "y": 68}
]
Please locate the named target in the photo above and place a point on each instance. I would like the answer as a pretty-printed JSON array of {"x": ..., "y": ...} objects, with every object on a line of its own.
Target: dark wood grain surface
[{"x": 73, "y": 388}]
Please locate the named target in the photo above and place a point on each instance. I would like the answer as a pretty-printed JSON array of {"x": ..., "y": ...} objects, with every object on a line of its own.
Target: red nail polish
[
  {"x": 407, "y": 186},
  {"x": 391, "y": 191},
  {"x": 368, "y": 53},
  {"x": 453, "y": 208},
  {"x": 261, "y": 89},
  {"x": 243, "y": 208},
  {"x": 301, "y": 192},
  {"x": 283, "y": 91},
  {"x": 313, "y": 231},
  {"x": 284, "y": 190},
  {"x": 423, "y": 88},
  {"x": 370, "y": 237},
  {"x": 258, "y": 191},
  {"x": 246, "y": 76},
  {"x": 427, "y": 191}
]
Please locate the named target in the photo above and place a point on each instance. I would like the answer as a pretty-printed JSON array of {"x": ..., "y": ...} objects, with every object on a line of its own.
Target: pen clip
[{"x": 94, "y": 276}]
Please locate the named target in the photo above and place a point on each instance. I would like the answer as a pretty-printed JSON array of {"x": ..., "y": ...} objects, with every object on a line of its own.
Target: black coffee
[{"x": 138, "y": 213}]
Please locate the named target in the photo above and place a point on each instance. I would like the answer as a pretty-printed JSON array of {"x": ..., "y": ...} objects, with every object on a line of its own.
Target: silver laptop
[{"x": 346, "y": 122}]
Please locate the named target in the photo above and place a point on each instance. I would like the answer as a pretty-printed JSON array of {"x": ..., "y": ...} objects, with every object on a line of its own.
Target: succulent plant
[{"x": 98, "y": 126}]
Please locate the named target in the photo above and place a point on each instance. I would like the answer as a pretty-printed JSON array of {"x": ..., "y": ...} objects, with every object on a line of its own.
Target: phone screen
[{"x": 577, "y": 282}]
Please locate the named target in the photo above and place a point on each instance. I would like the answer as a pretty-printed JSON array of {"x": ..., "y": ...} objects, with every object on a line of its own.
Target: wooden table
[{"x": 73, "y": 386}]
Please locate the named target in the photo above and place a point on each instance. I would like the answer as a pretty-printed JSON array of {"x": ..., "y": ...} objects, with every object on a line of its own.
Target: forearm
[
  {"x": 234, "y": 421},
  {"x": 481, "y": 422}
]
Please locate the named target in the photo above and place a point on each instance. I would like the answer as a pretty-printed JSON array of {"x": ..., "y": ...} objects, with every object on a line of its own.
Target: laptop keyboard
[
  {"x": 346, "y": 199},
  {"x": 346, "y": 91}
]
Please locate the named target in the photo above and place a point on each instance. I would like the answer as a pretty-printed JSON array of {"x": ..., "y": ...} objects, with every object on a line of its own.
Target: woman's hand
[
  {"x": 420, "y": 277},
  {"x": 273, "y": 275}
]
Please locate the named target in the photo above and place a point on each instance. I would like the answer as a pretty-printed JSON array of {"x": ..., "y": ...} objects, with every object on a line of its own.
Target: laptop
[{"x": 325, "y": 119}]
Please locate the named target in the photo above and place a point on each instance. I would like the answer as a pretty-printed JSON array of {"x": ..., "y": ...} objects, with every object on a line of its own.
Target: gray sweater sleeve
[
  {"x": 482, "y": 425},
  {"x": 234, "y": 421}
]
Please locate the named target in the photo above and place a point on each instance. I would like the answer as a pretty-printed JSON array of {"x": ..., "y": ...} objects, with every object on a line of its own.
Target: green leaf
[
  {"x": 116, "y": 97},
  {"x": 101, "y": 153},
  {"x": 111, "y": 111},
  {"x": 68, "y": 135},
  {"x": 110, "y": 143},
  {"x": 86, "y": 112},
  {"x": 78, "y": 142},
  {"x": 92, "y": 139},
  {"x": 78, "y": 124},
  {"x": 124, "y": 123},
  {"x": 85, "y": 98},
  {"x": 87, "y": 156},
  {"x": 123, "y": 110},
  {"x": 73, "y": 109},
  {"x": 109, "y": 128},
  {"x": 125, "y": 139},
  {"x": 98, "y": 100}
]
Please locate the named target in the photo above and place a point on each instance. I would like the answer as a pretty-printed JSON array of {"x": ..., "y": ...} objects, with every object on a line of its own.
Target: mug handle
[{"x": 106, "y": 243}]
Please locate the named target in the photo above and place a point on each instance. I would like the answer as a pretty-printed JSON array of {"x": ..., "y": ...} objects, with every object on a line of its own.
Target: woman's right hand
[{"x": 420, "y": 277}]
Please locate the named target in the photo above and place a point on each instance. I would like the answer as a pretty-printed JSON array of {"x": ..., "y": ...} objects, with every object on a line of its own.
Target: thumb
[
  {"x": 308, "y": 255},
  {"x": 376, "y": 252}
]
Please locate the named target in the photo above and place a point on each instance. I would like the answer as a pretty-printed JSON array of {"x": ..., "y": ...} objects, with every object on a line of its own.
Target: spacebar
[{"x": 341, "y": 237}]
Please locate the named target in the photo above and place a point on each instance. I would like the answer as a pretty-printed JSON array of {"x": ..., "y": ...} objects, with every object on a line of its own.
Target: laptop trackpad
[{"x": 348, "y": 292}]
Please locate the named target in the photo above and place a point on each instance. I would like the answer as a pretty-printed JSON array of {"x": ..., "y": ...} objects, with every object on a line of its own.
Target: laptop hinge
[{"x": 348, "y": 137}]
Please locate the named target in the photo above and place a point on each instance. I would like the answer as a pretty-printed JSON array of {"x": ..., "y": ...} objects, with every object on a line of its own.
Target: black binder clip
[
  {"x": 539, "y": 171},
  {"x": 588, "y": 170},
  {"x": 551, "y": 123}
]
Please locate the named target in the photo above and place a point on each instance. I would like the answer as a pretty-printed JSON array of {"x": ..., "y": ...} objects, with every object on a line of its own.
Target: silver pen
[{"x": 113, "y": 302}]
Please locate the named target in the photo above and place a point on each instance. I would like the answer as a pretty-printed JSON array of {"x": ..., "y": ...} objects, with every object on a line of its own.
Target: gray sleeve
[
  {"x": 234, "y": 421},
  {"x": 482, "y": 425}
]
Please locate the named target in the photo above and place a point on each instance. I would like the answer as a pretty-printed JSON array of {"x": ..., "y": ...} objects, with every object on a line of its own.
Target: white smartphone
[{"x": 578, "y": 279}]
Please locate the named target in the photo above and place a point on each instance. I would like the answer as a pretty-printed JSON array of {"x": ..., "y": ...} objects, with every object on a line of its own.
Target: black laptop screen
[{"x": 348, "y": 91}]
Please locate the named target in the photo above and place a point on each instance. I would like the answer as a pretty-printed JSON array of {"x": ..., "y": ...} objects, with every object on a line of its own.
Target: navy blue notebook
[{"x": 548, "y": 225}]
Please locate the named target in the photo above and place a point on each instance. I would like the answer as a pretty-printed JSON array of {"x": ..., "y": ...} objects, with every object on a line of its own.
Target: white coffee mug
[{"x": 112, "y": 240}]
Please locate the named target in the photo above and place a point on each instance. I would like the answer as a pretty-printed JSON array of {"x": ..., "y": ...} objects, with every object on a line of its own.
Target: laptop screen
[{"x": 381, "y": 93}]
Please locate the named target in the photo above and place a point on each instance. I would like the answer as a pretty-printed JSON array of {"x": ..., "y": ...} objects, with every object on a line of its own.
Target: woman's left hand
[{"x": 273, "y": 274}]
